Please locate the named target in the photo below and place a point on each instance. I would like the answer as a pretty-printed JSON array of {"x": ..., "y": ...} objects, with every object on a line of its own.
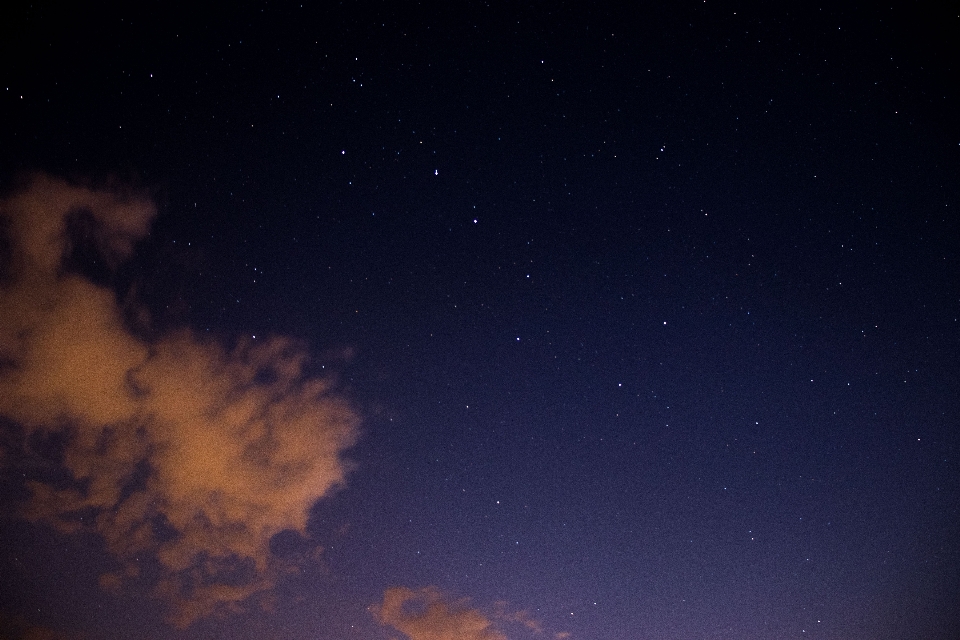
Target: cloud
[
  {"x": 521, "y": 617},
  {"x": 177, "y": 447},
  {"x": 16, "y": 627},
  {"x": 427, "y": 615}
]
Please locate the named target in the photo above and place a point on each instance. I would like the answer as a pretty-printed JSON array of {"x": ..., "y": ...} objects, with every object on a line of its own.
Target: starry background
[{"x": 653, "y": 313}]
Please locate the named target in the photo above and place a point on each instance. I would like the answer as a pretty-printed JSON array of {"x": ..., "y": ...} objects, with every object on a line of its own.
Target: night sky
[{"x": 474, "y": 321}]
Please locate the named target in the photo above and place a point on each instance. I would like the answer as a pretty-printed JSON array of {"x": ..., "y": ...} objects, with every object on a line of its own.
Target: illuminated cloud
[
  {"x": 177, "y": 447},
  {"x": 426, "y": 615},
  {"x": 523, "y": 618},
  {"x": 18, "y": 628}
]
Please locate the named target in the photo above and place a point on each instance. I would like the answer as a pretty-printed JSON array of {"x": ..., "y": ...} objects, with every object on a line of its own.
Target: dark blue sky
[{"x": 648, "y": 318}]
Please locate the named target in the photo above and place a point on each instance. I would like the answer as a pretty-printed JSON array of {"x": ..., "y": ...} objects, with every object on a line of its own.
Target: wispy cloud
[
  {"x": 176, "y": 446},
  {"x": 429, "y": 614},
  {"x": 18, "y": 628},
  {"x": 426, "y": 614}
]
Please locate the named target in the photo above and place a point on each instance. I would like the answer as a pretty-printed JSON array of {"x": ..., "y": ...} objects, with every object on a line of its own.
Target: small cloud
[
  {"x": 16, "y": 627},
  {"x": 426, "y": 614},
  {"x": 521, "y": 617}
]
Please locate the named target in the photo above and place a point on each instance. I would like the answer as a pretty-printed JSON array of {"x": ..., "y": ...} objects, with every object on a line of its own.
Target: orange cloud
[
  {"x": 178, "y": 446},
  {"x": 16, "y": 627},
  {"x": 426, "y": 615}
]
